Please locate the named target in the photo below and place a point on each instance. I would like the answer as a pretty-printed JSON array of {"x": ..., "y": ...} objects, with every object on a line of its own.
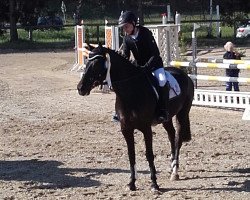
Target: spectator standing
[{"x": 231, "y": 54}]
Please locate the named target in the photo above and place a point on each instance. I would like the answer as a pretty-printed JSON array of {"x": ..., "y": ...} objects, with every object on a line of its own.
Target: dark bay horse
[{"x": 136, "y": 105}]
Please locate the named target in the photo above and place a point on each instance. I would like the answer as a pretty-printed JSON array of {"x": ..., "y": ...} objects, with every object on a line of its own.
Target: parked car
[
  {"x": 244, "y": 30},
  {"x": 50, "y": 21}
]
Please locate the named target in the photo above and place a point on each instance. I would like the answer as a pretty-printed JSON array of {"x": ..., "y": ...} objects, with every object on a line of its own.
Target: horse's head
[{"x": 95, "y": 71}]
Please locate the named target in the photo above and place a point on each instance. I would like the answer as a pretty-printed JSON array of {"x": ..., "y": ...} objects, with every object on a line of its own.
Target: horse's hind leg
[
  {"x": 183, "y": 134},
  {"x": 147, "y": 132},
  {"x": 183, "y": 123},
  {"x": 175, "y": 147}
]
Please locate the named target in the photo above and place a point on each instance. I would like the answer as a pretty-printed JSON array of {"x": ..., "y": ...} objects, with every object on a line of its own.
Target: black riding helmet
[{"x": 127, "y": 17}]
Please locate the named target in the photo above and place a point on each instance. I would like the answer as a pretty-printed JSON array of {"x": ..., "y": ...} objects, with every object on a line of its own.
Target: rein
[
  {"x": 108, "y": 67},
  {"x": 128, "y": 79}
]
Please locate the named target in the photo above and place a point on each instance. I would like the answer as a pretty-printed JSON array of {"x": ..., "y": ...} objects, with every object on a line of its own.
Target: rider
[{"x": 140, "y": 41}]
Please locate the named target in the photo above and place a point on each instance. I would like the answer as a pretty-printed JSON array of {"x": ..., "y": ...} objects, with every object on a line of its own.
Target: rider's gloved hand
[
  {"x": 148, "y": 64},
  {"x": 134, "y": 62}
]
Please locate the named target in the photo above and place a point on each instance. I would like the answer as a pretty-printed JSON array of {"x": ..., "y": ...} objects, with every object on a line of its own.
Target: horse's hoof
[
  {"x": 156, "y": 192},
  {"x": 155, "y": 187},
  {"x": 131, "y": 187},
  {"x": 174, "y": 177}
]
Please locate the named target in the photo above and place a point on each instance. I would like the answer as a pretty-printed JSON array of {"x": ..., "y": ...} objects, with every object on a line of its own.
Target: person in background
[
  {"x": 231, "y": 54},
  {"x": 140, "y": 41}
]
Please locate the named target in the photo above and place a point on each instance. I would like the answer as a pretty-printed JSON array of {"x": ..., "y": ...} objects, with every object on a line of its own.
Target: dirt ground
[{"x": 56, "y": 144}]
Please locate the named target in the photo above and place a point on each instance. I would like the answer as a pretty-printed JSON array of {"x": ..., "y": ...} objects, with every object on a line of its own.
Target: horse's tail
[{"x": 183, "y": 115}]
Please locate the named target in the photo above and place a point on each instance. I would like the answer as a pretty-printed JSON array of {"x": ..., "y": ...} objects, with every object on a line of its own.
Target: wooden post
[{"x": 31, "y": 34}]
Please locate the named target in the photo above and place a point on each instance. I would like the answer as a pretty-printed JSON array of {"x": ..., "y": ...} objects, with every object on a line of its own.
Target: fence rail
[
  {"x": 229, "y": 65},
  {"x": 222, "y": 99},
  {"x": 220, "y": 78},
  {"x": 225, "y": 61},
  {"x": 214, "y": 65}
]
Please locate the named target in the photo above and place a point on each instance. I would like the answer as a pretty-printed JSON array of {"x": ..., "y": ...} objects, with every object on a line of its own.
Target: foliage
[
  {"x": 233, "y": 12},
  {"x": 27, "y": 13},
  {"x": 4, "y": 7}
]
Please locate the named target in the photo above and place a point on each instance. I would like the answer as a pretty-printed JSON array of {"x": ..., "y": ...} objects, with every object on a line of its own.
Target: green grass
[
  {"x": 227, "y": 33},
  {"x": 65, "y": 37},
  {"x": 41, "y": 39}
]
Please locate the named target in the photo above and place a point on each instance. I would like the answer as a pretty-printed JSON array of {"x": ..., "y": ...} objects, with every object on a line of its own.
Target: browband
[{"x": 96, "y": 56}]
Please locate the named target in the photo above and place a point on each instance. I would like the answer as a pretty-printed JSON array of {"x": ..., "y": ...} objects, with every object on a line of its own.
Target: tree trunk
[
  {"x": 78, "y": 8},
  {"x": 140, "y": 12},
  {"x": 13, "y": 28},
  {"x": 118, "y": 5}
]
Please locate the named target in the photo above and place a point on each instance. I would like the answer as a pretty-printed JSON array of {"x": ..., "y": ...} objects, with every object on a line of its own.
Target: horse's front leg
[
  {"x": 129, "y": 137},
  {"x": 147, "y": 132}
]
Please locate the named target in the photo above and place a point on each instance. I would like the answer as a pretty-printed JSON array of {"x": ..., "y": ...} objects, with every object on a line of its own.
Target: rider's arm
[{"x": 155, "y": 61}]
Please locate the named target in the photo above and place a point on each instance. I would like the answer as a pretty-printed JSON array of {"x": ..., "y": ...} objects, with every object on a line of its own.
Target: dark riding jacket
[
  {"x": 144, "y": 49},
  {"x": 231, "y": 72}
]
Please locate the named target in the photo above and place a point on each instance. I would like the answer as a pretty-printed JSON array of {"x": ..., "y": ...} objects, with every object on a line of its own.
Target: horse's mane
[{"x": 119, "y": 55}]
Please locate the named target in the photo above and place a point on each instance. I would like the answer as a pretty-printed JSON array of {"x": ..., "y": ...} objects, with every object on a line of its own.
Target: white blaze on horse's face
[
  {"x": 94, "y": 75},
  {"x": 85, "y": 85}
]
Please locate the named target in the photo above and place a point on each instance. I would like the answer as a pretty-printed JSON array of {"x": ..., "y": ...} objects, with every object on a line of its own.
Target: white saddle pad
[{"x": 173, "y": 84}]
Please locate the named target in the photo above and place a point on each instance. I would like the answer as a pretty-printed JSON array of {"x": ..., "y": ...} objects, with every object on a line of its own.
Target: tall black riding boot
[{"x": 163, "y": 103}]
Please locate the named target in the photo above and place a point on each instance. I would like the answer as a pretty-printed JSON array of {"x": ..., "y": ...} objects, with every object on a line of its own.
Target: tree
[
  {"x": 233, "y": 11},
  {"x": 140, "y": 12},
  {"x": 25, "y": 12},
  {"x": 13, "y": 20},
  {"x": 78, "y": 7}
]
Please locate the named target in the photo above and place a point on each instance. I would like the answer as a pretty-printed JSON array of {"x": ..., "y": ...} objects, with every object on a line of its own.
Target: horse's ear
[
  {"x": 90, "y": 46},
  {"x": 101, "y": 48},
  {"x": 99, "y": 44}
]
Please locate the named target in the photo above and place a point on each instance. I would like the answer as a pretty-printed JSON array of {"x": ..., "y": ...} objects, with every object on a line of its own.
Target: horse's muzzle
[{"x": 81, "y": 91}]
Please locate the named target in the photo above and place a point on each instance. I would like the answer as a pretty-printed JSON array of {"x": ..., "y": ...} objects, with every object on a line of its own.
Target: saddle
[{"x": 174, "y": 88}]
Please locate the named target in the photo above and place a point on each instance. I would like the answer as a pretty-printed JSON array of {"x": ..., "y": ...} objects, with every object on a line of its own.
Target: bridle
[
  {"x": 96, "y": 56},
  {"x": 107, "y": 66}
]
